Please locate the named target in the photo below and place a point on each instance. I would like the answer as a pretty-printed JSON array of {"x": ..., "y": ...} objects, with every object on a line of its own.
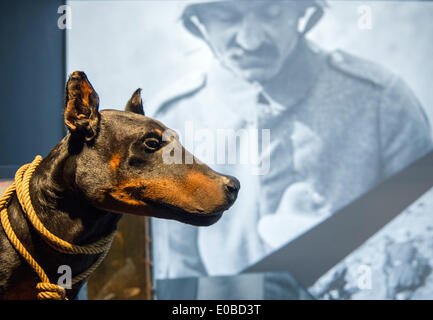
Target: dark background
[{"x": 32, "y": 61}]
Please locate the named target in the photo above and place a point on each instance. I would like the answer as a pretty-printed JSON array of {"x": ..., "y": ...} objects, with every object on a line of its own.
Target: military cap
[{"x": 187, "y": 12}]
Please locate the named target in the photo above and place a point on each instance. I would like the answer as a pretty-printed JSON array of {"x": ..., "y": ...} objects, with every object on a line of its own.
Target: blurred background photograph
[{"x": 322, "y": 109}]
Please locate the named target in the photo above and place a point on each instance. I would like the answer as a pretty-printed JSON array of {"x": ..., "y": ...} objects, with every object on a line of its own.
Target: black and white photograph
[{"x": 315, "y": 117}]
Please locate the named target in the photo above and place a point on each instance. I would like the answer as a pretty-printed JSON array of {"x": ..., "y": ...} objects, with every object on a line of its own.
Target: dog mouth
[{"x": 197, "y": 218}]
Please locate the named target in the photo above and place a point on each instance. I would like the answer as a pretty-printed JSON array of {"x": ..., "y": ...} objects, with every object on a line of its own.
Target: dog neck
[
  {"x": 63, "y": 208},
  {"x": 65, "y": 212}
]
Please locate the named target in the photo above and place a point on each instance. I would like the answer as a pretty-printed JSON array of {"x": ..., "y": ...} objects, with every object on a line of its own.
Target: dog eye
[{"x": 151, "y": 143}]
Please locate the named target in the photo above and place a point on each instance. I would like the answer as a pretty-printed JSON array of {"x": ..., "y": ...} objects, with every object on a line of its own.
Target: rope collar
[{"x": 46, "y": 289}]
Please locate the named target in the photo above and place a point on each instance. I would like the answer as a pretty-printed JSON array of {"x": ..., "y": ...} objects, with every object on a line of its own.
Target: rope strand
[{"x": 46, "y": 289}]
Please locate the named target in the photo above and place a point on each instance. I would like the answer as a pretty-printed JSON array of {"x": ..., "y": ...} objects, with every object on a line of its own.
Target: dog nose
[{"x": 232, "y": 186}]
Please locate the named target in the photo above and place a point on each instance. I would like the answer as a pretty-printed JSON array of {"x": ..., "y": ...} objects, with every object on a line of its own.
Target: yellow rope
[{"x": 46, "y": 289}]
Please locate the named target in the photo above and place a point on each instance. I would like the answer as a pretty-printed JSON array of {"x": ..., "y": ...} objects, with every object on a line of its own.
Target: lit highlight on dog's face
[
  {"x": 142, "y": 183},
  {"x": 132, "y": 177}
]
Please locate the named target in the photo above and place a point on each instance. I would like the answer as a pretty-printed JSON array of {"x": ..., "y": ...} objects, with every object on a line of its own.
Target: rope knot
[{"x": 50, "y": 291}]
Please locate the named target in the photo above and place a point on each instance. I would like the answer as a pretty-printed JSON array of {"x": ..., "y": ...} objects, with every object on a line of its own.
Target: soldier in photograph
[{"x": 339, "y": 125}]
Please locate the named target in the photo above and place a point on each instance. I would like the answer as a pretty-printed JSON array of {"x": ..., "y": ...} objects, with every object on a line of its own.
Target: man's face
[{"x": 252, "y": 38}]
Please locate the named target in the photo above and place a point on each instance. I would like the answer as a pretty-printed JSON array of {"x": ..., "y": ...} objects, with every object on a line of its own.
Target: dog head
[{"x": 123, "y": 162}]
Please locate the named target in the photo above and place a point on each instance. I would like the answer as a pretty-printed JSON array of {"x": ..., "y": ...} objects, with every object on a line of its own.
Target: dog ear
[
  {"x": 135, "y": 104},
  {"x": 81, "y": 106}
]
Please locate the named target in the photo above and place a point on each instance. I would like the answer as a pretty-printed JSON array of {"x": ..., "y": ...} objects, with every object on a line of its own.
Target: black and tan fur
[{"x": 109, "y": 164}]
